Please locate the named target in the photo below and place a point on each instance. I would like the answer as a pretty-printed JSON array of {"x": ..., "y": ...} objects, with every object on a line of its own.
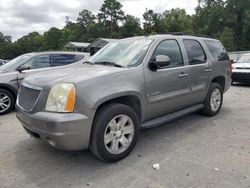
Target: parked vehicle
[
  {"x": 12, "y": 73},
  {"x": 241, "y": 69},
  {"x": 133, "y": 83}
]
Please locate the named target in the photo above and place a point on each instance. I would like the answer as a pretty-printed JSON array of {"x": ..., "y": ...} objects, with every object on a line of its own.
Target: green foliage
[
  {"x": 131, "y": 27},
  {"x": 227, "y": 20},
  {"x": 110, "y": 13},
  {"x": 177, "y": 20},
  {"x": 52, "y": 39},
  {"x": 86, "y": 18}
]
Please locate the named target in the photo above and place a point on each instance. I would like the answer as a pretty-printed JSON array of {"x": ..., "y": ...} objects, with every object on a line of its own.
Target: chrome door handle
[
  {"x": 183, "y": 75},
  {"x": 208, "y": 70}
]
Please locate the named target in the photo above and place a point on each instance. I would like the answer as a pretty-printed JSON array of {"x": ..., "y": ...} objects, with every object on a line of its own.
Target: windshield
[
  {"x": 244, "y": 59},
  {"x": 15, "y": 63},
  {"x": 127, "y": 52}
]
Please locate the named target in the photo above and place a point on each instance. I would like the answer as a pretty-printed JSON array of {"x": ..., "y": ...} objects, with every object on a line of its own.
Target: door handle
[
  {"x": 183, "y": 75},
  {"x": 208, "y": 70}
]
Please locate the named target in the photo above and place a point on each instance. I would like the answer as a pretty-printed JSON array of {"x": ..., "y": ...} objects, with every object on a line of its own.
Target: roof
[
  {"x": 77, "y": 45},
  {"x": 57, "y": 52},
  {"x": 100, "y": 42}
]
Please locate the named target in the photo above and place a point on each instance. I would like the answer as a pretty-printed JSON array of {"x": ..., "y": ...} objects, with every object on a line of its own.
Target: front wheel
[
  {"x": 7, "y": 101},
  {"x": 114, "y": 133},
  {"x": 213, "y": 101}
]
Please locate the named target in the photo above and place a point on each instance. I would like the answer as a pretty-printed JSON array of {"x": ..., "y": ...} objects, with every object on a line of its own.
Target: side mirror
[
  {"x": 161, "y": 61},
  {"x": 22, "y": 68}
]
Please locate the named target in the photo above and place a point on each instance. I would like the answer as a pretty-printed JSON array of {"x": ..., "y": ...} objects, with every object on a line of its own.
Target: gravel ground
[{"x": 194, "y": 151}]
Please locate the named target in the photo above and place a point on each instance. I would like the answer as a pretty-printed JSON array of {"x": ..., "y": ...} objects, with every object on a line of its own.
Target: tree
[
  {"x": 131, "y": 26},
  {"x": 29, "y": 43},
  {"x": 52, "y": 39},
  {"x": 111, "y": 13},
  {"x": 238, "y": 16},
  {"x": 148, "y": 16},
  {"x": 227, "y": 38},
  {"x": 177, "y": 20},
  {"x": 209, "y": 17},
  {"x": 5, "y": 47},
  {"x": 86, "y": 18}
]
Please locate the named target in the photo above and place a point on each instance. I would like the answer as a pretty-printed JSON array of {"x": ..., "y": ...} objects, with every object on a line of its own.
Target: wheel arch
[
  {"x": 132, "y": 100},
  {"x": 220, "y": 80},
  {"x": 9, "y": 88}
]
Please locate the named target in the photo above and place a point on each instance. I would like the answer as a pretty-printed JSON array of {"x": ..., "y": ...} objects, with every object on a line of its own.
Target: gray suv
[
  {"x": 12, "y": 73},
  {"x": 130, "y": 84}
]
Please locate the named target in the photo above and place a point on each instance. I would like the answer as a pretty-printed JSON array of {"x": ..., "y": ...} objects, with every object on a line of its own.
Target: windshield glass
[
  {"x": 15, "y": 63},
  {"x": 127, "y": 52},
  {"x": 244, "y": 59}
]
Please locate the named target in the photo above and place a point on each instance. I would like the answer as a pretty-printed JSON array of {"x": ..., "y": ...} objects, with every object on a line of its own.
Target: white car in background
[{"x": 241, "y": 69}]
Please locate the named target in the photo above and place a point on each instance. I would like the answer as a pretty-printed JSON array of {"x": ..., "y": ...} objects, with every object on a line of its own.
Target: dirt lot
[{"x": 194, "y": 151}]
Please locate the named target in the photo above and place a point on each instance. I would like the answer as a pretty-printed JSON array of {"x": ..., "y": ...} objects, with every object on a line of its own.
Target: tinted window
[
  {"x": 171, "y": 49},
  {"x": 217, "y": 50},
  {"x": 65, "y": 59},
  {"x": 38, "y": 62},
  {"x": 195, "y": 52}
]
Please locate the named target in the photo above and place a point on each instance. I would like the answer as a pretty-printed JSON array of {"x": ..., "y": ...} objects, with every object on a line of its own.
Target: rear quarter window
[{"x": 217, "y": 50}]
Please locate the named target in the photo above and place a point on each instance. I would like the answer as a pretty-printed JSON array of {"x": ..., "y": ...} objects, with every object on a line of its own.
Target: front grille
[
  {"x": 242, "y": 67},
  {"x": 28, "y": 96}
]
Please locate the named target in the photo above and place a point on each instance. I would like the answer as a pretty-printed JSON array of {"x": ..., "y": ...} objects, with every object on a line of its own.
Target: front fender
[{"x": 115, "y": 96}]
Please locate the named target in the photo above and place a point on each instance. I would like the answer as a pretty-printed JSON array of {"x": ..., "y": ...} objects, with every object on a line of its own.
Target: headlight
[{"x": 61, "y": 98}]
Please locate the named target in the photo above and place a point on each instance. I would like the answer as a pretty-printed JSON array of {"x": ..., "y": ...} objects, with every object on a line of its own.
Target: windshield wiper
[
  {"x": 109, "y": 63},
  {"x": 88, "y": 62}
]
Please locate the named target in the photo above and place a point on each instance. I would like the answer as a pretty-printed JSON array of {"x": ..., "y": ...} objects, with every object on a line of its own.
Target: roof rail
[{"x": 188, "y": 34}]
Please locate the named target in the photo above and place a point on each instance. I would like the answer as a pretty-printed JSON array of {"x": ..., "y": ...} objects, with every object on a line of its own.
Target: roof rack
[{"x": 188, "y": 34}]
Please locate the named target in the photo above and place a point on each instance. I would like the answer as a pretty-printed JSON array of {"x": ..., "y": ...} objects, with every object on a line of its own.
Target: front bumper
[
  {"x": 69, "y": 131},
  {"x": 241, "y": 76}
]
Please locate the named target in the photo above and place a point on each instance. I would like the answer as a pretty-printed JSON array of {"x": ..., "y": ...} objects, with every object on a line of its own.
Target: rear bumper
[
  {"x": 241, "y": 76},
  {"x": 63, "y": 131}
]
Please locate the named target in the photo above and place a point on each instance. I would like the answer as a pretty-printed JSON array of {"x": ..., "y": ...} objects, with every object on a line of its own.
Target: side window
[
  {"x": 38, "y": 62},
  {"x": 195, "y": 52},
  {"x": 217, "y": 50},
  {"x": 63, "y": 59},
  {"x": 171, "y": 49},
  {"x": 79, "y": 57}
]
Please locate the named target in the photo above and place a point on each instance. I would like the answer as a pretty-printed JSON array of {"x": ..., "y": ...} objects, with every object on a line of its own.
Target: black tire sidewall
[
  {"x": 207, "y": 109},
  {"x": 101, "y": 122},
  {"x": 12, "y": 101}
]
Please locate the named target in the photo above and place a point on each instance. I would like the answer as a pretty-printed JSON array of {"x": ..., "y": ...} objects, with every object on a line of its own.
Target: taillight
[{"x": 231, "y": 68}]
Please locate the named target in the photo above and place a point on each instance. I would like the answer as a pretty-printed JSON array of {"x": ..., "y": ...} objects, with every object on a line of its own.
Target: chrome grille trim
[{"x": 29, "y": 87}]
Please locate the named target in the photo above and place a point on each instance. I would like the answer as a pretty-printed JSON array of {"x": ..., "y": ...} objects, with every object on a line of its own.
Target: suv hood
[{"x": 72, "y": 74}]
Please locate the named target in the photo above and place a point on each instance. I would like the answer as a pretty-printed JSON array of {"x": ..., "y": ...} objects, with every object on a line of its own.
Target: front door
[
  {"x": 168, "y": 87},
  {"x": 34, "y": 65}
]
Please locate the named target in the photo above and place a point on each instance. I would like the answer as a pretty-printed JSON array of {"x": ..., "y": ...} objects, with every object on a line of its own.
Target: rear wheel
[
  {"x": 213, "y": 101},
  {"x": 7, "y": 101},
  {"x": 115, "y": 132}
]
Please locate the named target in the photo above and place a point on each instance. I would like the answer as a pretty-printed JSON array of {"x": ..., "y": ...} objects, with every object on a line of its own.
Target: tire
[
  {"x": 7, "y": 101},
  {"x": 209, "y": 109},
  {"x": 103, "y": 128}
]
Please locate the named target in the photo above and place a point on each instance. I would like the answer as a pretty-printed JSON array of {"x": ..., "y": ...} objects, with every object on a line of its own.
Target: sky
[{"x": 20, "y": 17}]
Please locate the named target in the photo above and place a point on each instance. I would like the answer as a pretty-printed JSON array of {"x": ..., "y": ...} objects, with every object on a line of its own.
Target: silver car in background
[
  {"x": 13, "y": 72},
  {"x": 241, "y": 69}
]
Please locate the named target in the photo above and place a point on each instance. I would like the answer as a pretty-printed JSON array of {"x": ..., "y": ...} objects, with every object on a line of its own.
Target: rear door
[{"x": 200, "y": 69}]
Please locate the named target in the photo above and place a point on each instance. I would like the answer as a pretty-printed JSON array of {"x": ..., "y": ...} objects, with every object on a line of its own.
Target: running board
[{"x": 167, "y": 118}]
